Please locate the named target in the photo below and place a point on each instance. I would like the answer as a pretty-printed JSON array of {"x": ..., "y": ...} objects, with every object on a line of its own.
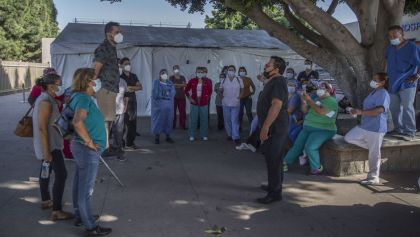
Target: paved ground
[{"x": 185, "y": 188}]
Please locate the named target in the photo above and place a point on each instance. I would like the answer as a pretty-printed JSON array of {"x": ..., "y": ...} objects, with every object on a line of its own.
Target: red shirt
[{"x": 205, "y": 93}]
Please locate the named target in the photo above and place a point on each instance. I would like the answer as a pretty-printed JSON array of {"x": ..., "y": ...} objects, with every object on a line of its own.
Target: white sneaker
[
  {"x": 302, "y": 160},
  {"x": 241, "y": 147},
  {"x": 192, "y": 139},
  {"x": 205, "y": 138},
  {"x": 251, "y": 147},
  {"x": 370, "y": 181}
]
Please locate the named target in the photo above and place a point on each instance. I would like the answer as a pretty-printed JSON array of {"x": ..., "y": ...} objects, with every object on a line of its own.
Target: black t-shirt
[
  {"x": 131, "y": 80},
  {"x": 303, "y": 78},
  {"x": 275, "y": 88}
]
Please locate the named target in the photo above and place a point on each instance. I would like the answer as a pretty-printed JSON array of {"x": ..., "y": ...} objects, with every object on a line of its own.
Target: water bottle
[{"x": 45, "y": 170}]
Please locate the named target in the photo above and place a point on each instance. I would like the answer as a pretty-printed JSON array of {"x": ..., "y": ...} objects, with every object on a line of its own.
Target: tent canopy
[
  {"x": 151, "y": 49},
  {"x": 84, "y": 38}
]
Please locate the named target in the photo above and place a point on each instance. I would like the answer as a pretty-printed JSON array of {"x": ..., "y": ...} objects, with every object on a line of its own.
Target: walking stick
[{"x": 111, "y": 171}]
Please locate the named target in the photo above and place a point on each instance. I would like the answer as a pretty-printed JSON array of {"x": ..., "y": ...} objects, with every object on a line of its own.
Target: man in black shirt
[
  {"x": 305, "y": 76},
  {"x": 133, "y": 85},
  {"x": 273, "y": 121}
]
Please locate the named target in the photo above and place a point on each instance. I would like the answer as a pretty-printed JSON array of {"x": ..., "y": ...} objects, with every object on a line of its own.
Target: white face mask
[
  {"x": 289, "y": 75},
  {"x": 200, "y": 75},
  {"x": 373, "y": 84},
  {"x": 120, "y": 70},
  {"x": 242, "y": 74},
  {"x": 176, "y": 71},
  {"x": 118, "y": 38},
  {"x": 308, "y": 66},
  {"x": 98, "y": 85},
  {"x": 320, "y": 92},
  {"x": 395, "y": 42},
  {"x": 127, "y": 68},
  {"x": 164, "y": 77},
  {"x": 60, "y": 91}
]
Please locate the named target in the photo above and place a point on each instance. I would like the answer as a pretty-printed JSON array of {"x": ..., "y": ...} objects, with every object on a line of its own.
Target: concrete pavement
[{"x": 185, "y": 188}]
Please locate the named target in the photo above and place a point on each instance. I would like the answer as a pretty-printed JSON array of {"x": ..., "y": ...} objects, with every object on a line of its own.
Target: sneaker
[
  {"x": 302, "y": 160},
  {"x": 285, "y": 167},
  {"x": 169, "y": 140},
  {"x": 370, "y": 181},
  {"x": 99, "y": 231},
  {"x": 192, "y": 139},
  {"x": 61, "y": 215},
  {"x": 241, "y": 147},
  {"x": 132, "y": 148},
  {"x": 205, "y": 138},
  {"x": 121, "y": 158},
  {"x": 408, "y": 138},
  {"x": 78, "y": 221},
  {"x": 316, "y": 171},
  {"x": 251, "y": 147}
]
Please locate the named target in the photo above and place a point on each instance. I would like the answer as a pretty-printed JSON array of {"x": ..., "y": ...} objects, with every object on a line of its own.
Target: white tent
[{"x": 151, "y": 49}]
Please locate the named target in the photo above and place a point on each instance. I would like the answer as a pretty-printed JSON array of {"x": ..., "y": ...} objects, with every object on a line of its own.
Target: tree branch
[
  {"x": 367, "y": 13},
  {"x": 394, "y": 9},
  {"x": 305, "y": 31},
  {"x": 327, "y": 26},
  {"x": 332, "y": 7}
]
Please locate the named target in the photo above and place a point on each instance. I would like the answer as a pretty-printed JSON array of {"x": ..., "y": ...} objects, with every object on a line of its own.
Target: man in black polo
[
  {"x": 105, "y": 64},
  {"x": 133, "y": 85},
  {"x": 273, "y": 121},
  {"x": 308, "y": 74}
]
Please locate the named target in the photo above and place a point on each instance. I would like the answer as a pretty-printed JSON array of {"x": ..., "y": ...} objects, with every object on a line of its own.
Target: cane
[{"x": 111, "y": 171}]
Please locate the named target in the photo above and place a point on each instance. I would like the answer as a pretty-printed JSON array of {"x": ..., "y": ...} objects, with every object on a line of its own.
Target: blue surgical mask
[
  {"x": 395, "y": 42},
  {"x": 98, "y": 85},
  {"x": 200, "y": 75},
  {"x": 242, "y": 74}
]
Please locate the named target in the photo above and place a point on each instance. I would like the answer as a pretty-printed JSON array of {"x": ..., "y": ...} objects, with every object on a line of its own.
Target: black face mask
[{"x": 267, "y": 74}]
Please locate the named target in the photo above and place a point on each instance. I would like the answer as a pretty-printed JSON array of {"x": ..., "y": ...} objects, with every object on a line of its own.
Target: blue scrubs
[
  {"x": 162, "y": 107},
  {"x": 377, "y": 98}
]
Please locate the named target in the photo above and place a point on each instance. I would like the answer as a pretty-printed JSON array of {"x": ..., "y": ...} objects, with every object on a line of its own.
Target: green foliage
[
  {"x": 412, "y": 7},
  {"x": 23, "y": 23},
  {"x": 234, "y": 20}
]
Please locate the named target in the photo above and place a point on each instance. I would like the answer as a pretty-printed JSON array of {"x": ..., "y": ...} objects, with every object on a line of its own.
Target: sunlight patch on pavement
[
  {"x": 108, "y": 218},
  {"x": 19, "y": 185},
  {"x": 30, "y": 199},
  {"x": 46, "y": 222},
  {"x": 245, "y": 212}
]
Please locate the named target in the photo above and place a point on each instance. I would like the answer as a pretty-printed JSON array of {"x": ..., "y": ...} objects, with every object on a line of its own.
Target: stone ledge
[{"x": 340, "y": 158}]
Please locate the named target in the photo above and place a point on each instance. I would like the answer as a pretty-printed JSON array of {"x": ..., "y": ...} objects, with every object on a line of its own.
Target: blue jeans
[
  {"x": 202, "y": 113},
  {"x": 309, "y": 139},
  {"x": 87, "y": 162},
  {"x": 231, "y": 116},
  {"x": 402, "y": 110}
]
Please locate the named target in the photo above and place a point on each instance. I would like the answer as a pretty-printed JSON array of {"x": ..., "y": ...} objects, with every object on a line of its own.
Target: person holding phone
[{"x": 318, "y": 127}]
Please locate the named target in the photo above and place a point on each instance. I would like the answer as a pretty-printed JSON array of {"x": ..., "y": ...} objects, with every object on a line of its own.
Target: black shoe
[
  {"x": 132, "y": 148},
  {"x": 264, "y": 187},
  {"x": 157, "y": 140},
  {"x": 169, "y": 140},
  {"x": 109, "y": 153},
  {"x": 229, "y": 139},
  {"x": 121, "y": 158},
  {"x": 99, "y": 231},
  {"x": 237, "y": 142},
  {"x": 78, "y": 221},
  {"x": 269, "y": 199}
]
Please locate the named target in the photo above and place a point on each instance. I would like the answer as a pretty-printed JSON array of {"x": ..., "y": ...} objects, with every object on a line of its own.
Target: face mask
[
  {"x": 120, "y": 70},
  {"x": 221, "y": 79},
  {"x": 118, "y": 38},
  {"x": 204, "y": 75},
  {"x": 60, "y": 91},
  {"x": 242, "y": 74},
  {"x": 373, "y": 84},
  {"x": 164, "y": 77},
  {"x": 127, "y": 68},
  {"x": 98, "y": 85},
  {"x": 308, "y": 66},
  {"x": 320, "y": 92},
  {"x": 231, "y": 74},
  {"x": 176, "y": 71},
  {"x": 200, "y": 75},
  {"x": 291, "y": 89},
  {"x": 396, "y": 41},
  {"x": 289, "y": 75},
  {"x": 267, "y": 74}
]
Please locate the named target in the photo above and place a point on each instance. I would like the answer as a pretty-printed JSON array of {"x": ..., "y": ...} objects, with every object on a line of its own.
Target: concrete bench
[{"x": 340, "y": 158}]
